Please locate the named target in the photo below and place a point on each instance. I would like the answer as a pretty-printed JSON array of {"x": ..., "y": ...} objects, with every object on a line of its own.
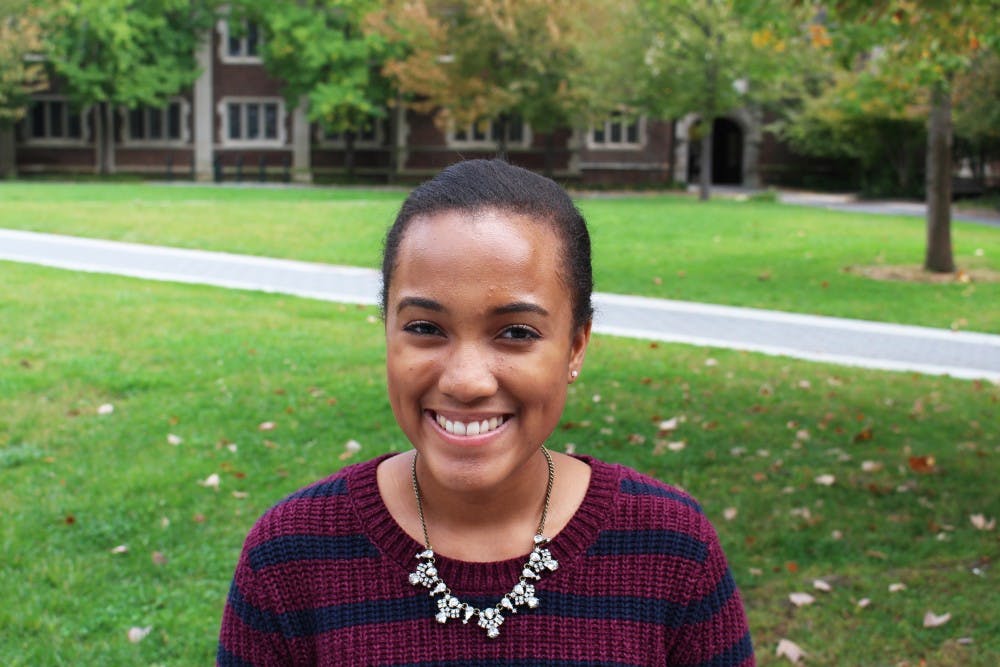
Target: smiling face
[{"x": 480, "y": 344}]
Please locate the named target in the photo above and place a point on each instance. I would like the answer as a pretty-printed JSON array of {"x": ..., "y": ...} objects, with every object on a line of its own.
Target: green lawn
[
  {"x": 741, "y": 253},
  {"x": 209, "y": 366}
]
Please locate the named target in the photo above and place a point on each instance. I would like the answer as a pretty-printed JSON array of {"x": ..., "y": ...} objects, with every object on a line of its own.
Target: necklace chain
[{"x": 539, "y": 561}]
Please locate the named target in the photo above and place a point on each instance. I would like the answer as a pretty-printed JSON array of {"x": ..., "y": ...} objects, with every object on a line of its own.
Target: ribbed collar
[{"x": 484, "y": 578}]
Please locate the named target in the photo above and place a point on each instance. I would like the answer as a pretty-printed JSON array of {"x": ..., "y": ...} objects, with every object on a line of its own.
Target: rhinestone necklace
[{"x": 522, "y": 594}]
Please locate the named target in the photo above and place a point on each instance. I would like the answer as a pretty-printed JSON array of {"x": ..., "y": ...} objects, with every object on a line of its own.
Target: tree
[
  {"x": 710, "y": 57},
  {"x": 924, "y": 47},
  {"x": 473, "y": 61},
  {"x": 319, "y": 49},
  {"x": 977, "y": 113},
  {"x": 20, "y": 73},
  {"x": 868, "y": 119},
  {"x": 113, "y": 53}
]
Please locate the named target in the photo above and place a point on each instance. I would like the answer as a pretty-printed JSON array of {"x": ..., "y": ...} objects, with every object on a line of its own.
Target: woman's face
[{"x": 480, "y": 344}]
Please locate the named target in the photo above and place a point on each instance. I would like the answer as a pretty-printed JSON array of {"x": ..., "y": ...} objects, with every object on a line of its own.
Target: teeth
[{"x": 472, "y": 428}]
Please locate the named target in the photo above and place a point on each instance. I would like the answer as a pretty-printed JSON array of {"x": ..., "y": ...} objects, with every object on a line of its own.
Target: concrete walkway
[{"x": 817, "y": 338}]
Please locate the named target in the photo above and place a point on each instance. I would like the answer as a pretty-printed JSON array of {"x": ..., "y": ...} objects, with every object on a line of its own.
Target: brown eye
[
  {"x": 520, "y": 332},
  {"x": 422, "y": 328}
]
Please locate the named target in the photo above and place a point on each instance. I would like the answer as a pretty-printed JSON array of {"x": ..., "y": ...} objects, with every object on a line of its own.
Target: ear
[{"x": 578, "y": 349}]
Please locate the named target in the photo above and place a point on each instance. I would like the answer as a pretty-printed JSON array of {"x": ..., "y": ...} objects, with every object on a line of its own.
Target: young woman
[{"x": 479, "y": 546}]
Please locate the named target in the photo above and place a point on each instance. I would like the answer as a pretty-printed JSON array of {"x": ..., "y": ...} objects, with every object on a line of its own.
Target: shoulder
[
  {"x": 318, "y": 513},
  {"x": 650, "y": 514}
]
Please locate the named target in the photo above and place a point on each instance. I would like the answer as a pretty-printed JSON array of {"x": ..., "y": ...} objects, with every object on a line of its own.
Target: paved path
[{"x": 829, "y": 339}]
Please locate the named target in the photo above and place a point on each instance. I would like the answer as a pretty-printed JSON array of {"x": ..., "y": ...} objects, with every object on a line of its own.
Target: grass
[
  {"x": 210, "y": 365},
  {"x": 759, "y": 254}
]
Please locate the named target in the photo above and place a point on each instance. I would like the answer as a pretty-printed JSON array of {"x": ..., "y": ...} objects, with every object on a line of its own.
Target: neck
[{"x": 485, "y": 524}]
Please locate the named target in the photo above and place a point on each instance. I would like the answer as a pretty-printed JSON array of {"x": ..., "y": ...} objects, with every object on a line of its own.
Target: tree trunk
[
  {"x": 705, "y": 175},
  {"x": 939, "y": 137},
  {"x": 349, "y": 137},
  {"x": 104, "y": 141},
  {"x": 8, "y": 152}
]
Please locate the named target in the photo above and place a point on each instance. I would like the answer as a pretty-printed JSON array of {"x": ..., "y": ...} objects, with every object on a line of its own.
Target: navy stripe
[
  {"x": 656, "y": 542},
  {"x": 736, "y": 654},
  {"x": 334, "y": 487},
  {"x": 707, "y": 607},
  {"x": 290, "y": 548},
  {"x": 226, "y": 659},
  {"x": 634, "y": 487},
  {"x": 306, "y": 622}
]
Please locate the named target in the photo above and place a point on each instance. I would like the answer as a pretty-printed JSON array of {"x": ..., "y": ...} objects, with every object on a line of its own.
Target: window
[
  {"x": 487, "y": 134},
  {"x": 167, "y": 124},
  {"x": 253, "y": 121},
  {"x": 53, "y": 120},
  {"x": 619, "y": 131},
  {"x": 240, "y": 44},
  {"x": 371, "y": 136}
]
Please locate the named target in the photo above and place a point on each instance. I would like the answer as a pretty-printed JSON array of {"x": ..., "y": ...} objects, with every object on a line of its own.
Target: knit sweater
[{"x": 642, "y": 580}]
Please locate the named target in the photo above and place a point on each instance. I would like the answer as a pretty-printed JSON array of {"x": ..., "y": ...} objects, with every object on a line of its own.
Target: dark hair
[{"x": 476, "y": 185}]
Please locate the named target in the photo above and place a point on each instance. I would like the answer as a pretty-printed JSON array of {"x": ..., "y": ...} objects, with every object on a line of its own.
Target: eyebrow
[
  {"x": 419, "y": 302},
  {"x": 431, "y": 304}
]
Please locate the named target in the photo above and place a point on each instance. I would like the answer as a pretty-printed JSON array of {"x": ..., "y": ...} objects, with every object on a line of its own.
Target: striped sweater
[{"x": 642, "y": 580}]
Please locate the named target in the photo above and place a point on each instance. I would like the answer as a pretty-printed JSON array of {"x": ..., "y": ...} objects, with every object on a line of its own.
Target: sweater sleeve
[
  {"x": 714, "y": 629},
  {"x": 251, "y": 634}
]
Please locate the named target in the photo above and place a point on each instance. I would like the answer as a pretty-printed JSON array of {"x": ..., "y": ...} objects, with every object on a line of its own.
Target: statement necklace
[{"x": 522, "y": 594}]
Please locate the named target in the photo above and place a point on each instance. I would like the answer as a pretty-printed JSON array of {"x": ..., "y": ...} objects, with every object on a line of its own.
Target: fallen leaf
[
  {"x": 864, "y": 435},
  {"x": 871, "y": 466},
  {"x": 711, "y": 362},
  {"x": 801, "y": 599},
  {"x": 231, "y": 447},
  {"x": 570, "y": 448},
  {"x": 932, "y": 620},
  {"x": 922, "y": 464},
  {"x": 897, "y": 587},
  {"x": 120, "y": 549},
  {"x": 211, "y": 482},
  {"x": 802, "y": 435},
  {"x": 158, "y": 558},
  {"x": 668, "y": 424},
  {"x": 105, "y": 409},
  {"x": 789, "y": 650},
  {"x": 676, "y": 446},
  {"x": 240, "y": 495},
  {"x": 826, "y": 480},
  {"x": 821, "y": 585},
  {"x": 863, "y": 602},
  {"x": 136, "y": 635},
  {"x": 174, "y": 439},
  {"x": 199, "y": 518},
  {"x": 267, "y": 426},
  {"x": 981, "y": 523},
  {"x": 729, "y": 513},
  {"x": 636, "y": 439}
]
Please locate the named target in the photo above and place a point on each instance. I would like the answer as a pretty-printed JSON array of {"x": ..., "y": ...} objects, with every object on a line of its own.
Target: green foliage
[
  {"x": 710, "y": 57},
  {"x": 471, "y": 62},
  {"x": 127, "y": 52},
  {"x": 20, "y": 76},
  {"x": 318, "y": 48}
]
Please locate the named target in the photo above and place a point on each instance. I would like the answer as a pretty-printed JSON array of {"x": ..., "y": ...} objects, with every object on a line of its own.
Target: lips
[{"x": 470, "y": 427}]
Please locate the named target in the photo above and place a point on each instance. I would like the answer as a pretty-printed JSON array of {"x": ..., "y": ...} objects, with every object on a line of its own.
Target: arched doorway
[{"x": 727, "y": 152}]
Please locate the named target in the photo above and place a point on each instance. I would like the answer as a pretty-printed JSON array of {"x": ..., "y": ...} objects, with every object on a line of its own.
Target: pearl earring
[{"x": 573, "y": 374}]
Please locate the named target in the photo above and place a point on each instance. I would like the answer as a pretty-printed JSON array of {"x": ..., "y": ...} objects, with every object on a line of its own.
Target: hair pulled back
[{"x": 472, "y": 186}]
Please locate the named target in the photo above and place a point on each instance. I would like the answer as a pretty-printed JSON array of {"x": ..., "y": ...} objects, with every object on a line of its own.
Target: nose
[{"x": 467, "y": 375}]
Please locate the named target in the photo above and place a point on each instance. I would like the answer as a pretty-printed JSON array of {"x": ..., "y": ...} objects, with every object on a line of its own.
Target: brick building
[{"x": 235, "y": 123}]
